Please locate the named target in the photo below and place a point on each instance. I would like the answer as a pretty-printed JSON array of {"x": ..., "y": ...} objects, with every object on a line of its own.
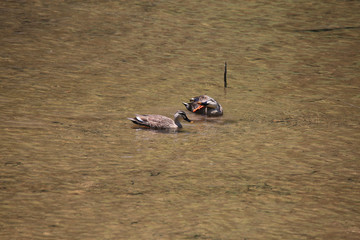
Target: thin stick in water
[{"x": 225, "y": 81}]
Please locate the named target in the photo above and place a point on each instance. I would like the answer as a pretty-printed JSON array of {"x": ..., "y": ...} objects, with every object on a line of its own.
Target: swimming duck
[
  {"x": 204, "y": 105},
  {"x": 159, "y": 121}
]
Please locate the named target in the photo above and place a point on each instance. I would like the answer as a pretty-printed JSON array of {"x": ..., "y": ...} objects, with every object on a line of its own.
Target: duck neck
[{"x": 177, "y": 121}]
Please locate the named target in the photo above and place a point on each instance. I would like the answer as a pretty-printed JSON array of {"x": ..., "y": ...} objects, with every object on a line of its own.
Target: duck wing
[
  {"x": 153, "y": 121},
  {"x": 140, "y": 120}
]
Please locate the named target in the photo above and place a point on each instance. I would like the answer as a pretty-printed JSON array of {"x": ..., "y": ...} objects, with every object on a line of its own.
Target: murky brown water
[{"x": 282, "y": 163}]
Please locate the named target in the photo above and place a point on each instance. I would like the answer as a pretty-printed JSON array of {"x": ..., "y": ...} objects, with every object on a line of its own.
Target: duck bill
[{"x": 188, "y": 120}]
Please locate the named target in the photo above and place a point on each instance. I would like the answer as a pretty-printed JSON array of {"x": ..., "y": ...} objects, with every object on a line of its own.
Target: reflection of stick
[{"x": 225, "y": 82}]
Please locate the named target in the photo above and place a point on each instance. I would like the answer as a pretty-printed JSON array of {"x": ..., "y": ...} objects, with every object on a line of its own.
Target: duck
[
  {"x": 204, "y": 105},
  {"x": 159, "y": 121}
]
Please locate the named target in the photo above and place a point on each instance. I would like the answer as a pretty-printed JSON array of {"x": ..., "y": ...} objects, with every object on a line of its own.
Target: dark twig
[
  {"x": 225, "y": 70},
  {"x": 327, "y": 29}
]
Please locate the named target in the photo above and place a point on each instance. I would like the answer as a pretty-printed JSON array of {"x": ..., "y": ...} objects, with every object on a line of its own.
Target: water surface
[{"x": 282, "y": 163}]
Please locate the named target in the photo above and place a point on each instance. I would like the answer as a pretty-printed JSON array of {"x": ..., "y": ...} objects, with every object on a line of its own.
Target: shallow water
[{"x": 282, "y": 163}]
